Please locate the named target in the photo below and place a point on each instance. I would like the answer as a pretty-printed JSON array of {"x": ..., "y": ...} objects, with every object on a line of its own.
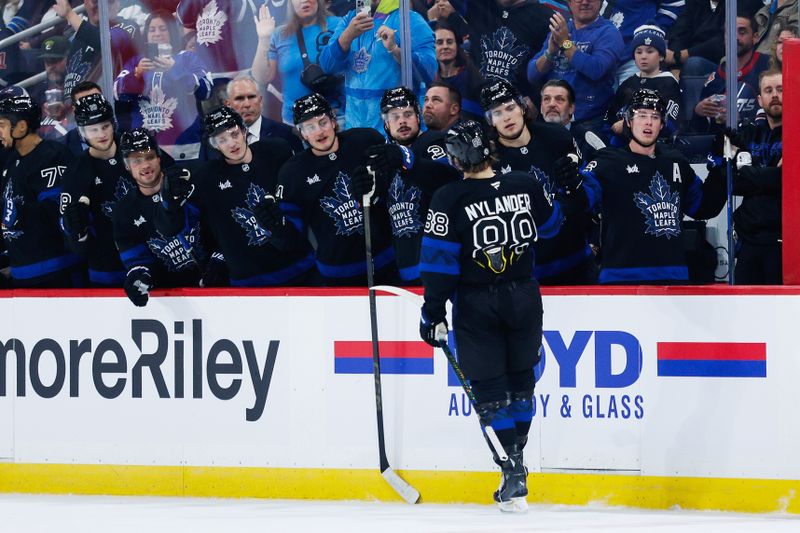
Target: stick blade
[{"x": 406, "y": 491}]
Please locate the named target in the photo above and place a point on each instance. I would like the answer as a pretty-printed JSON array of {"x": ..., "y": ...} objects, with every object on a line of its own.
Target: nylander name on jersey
[{"x": 511, "y": 203}]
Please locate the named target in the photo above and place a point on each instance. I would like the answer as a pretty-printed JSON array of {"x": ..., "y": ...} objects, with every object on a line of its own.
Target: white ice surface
[{"x": 68, "y": 514}]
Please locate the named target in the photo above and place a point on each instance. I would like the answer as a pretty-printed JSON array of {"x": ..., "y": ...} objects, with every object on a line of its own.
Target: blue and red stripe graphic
[
  {"x": 713, "y": 359},
  {"x": 397, "y": 357}
]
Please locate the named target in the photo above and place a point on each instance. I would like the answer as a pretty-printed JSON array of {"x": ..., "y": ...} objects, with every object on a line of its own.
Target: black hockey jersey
[
  {"x": 481, "y": 232},
  {"x": 226, "y": 194},
  {"x": 549, "y": 142},
  {"x": 315, "y": 193},
  {"x": 408, "y": 195},
  {"x": 104, "y": 183},
  {"x": 642, "y": 201},
  {"x": 173, "y": 261},
  {"x": 33, "y": 238}
]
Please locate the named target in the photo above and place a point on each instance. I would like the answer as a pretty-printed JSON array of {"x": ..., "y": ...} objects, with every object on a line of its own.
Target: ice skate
[{"x": 510, "y": 496}]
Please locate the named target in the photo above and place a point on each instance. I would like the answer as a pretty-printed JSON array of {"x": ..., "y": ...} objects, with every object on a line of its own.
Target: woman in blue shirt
[{"x": 279, "y": 51}]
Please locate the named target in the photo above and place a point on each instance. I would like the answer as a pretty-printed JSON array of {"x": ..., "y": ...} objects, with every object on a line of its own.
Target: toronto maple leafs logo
[
  {"x": 122, "y": 188},
  {"x": 661, "y": 208},
  {"x": 501, "y": 56},
  {"x": 157, "y": 112},
  {"x": 11, "y": 205},
  {"x": 209, "y": 24},
  {"x": 617, "y": 19},
  {"x": 178, "y": 253},
  {"x": 404, "y": 208},
  {"x": 546, "y": 183},
  {"x": 361, "y": 60},
  {"x": 343, "y": 208},
  {"x": 256, "y": 235},
  {"x": 77, "y": 69}
]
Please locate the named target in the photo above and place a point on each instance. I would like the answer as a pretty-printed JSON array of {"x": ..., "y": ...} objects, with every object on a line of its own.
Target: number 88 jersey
[{"x": 480, "y": 231}]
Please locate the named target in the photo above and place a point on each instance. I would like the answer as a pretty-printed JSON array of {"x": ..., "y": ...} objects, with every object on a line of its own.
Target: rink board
[{"x": 646, "y": 397}]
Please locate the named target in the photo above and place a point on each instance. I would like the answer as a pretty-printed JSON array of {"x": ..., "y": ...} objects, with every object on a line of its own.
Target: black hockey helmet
[
  {"x": 468, "y": 142},
  {"x": 310, "y": 106},
  {"x": 221, "y": 119},
  {"x": 497, "y": 92},
  {"x": 93, "y": 109},
  {"x": 399, "y": 97},
  {"x": 646, "y": 99},
  {"x": 16, "y": 108},
  {"x": 137, "y": 140}
]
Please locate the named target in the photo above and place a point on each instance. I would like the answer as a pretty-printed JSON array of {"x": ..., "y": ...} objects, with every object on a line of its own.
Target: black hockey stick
[
  {"x": 406, "y": 491},
  {"x": 488, "y": 430}
]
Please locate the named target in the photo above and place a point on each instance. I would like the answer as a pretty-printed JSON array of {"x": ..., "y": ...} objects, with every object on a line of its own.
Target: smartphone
[
  {"x": 718, "y": 99},
  {"x": 152, "y": 50},
  {"x": 363, "y": 5}
]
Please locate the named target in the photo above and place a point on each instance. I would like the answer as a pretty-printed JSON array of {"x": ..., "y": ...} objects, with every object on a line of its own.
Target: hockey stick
[
  {"x": 489, "y": 430},
  {"x": 406, "y": 491},
  {"x": 728, "y": 153}
]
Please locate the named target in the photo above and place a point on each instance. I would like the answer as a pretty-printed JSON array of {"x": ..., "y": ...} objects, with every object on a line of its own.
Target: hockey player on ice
[
  {"x": 478, "y": 252},
  {"x": 524, "y": 145}
]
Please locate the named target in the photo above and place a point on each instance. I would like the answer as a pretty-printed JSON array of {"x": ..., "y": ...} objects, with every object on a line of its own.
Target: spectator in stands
[
  {"x": 627, "y": 15},
  {"x": 776, "y": 54},
  {"x": 558, "y": 107},
  {"x": 504, "y": 36},
  {"x": 441, "y": 107},
  {"x": 585, "y": 52},
  {"x": 53, "y": 53},
  {"x": 696, "y": 40},
  {"x": 366, "y": 48},
  {"x": 710, "y": 110},
  {"x": 243, "y": 97},
  {"x": 225, "y": 30},
  {"x": 10, "y": 65},
  {"x": 457, "y": 69},
  {"x": 83, "y": 62},
  {"x": 773, "y": 18},
  {"x": 278, "y": 54},
  {"x": 758, "y": 219},
  {"x": 649, "y": 48},
  {"x": 164, "y": 84}
]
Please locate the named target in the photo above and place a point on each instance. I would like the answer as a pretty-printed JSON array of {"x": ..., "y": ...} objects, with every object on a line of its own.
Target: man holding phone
[{"x": 366, "y": 48}]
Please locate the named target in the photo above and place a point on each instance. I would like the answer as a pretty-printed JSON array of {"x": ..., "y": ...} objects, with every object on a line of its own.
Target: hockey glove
[
  {"x": 76, "y": 219},
  {"x": 268, "y": 213},
  {"x": 386, "y": 159},
  {"x": 216, "y": 272},
  {"x": 433, "y": 333},
  {"x": 362, "y": 182},
  {"x": 565, "y": 170},
  {"x": 177, "y": 187},
  {"x": 138, "y": 283}
]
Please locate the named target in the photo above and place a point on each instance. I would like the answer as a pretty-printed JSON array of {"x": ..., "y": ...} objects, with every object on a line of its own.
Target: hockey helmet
[
  {"x": 468, "y": 142},
  {"x": 15, "y": 108},
  {"x": 310, "y": 106},
  {"x": 137, "y": 140},
  {"x": 93, "y": 109},
  {"x": 497, "y": 92},
  {"x": 646, "y": 99},
  {"x": 397, "y": 98},
  {"x": 221, "y": 119}
]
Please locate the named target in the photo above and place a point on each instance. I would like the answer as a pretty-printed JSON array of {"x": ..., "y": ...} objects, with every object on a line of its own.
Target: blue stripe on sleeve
[{"x": 439, "y": 256}]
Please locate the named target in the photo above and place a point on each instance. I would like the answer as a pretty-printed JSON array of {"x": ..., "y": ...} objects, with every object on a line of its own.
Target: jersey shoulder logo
[
  {"x": 225, "y": 185},
  {"x": 343, "y": 208},
  {"x": 404, "y": 208},
  {"x": 311, "y": 180},
  {"x": 632, "y": 169},
  {"x": 209, "y": 24},
  {"x": 256, "y": 235},
  {"x": 123, "y": 187},
  {"x": 661, "y": 208},
  {"x": 139, "y": 221}
]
